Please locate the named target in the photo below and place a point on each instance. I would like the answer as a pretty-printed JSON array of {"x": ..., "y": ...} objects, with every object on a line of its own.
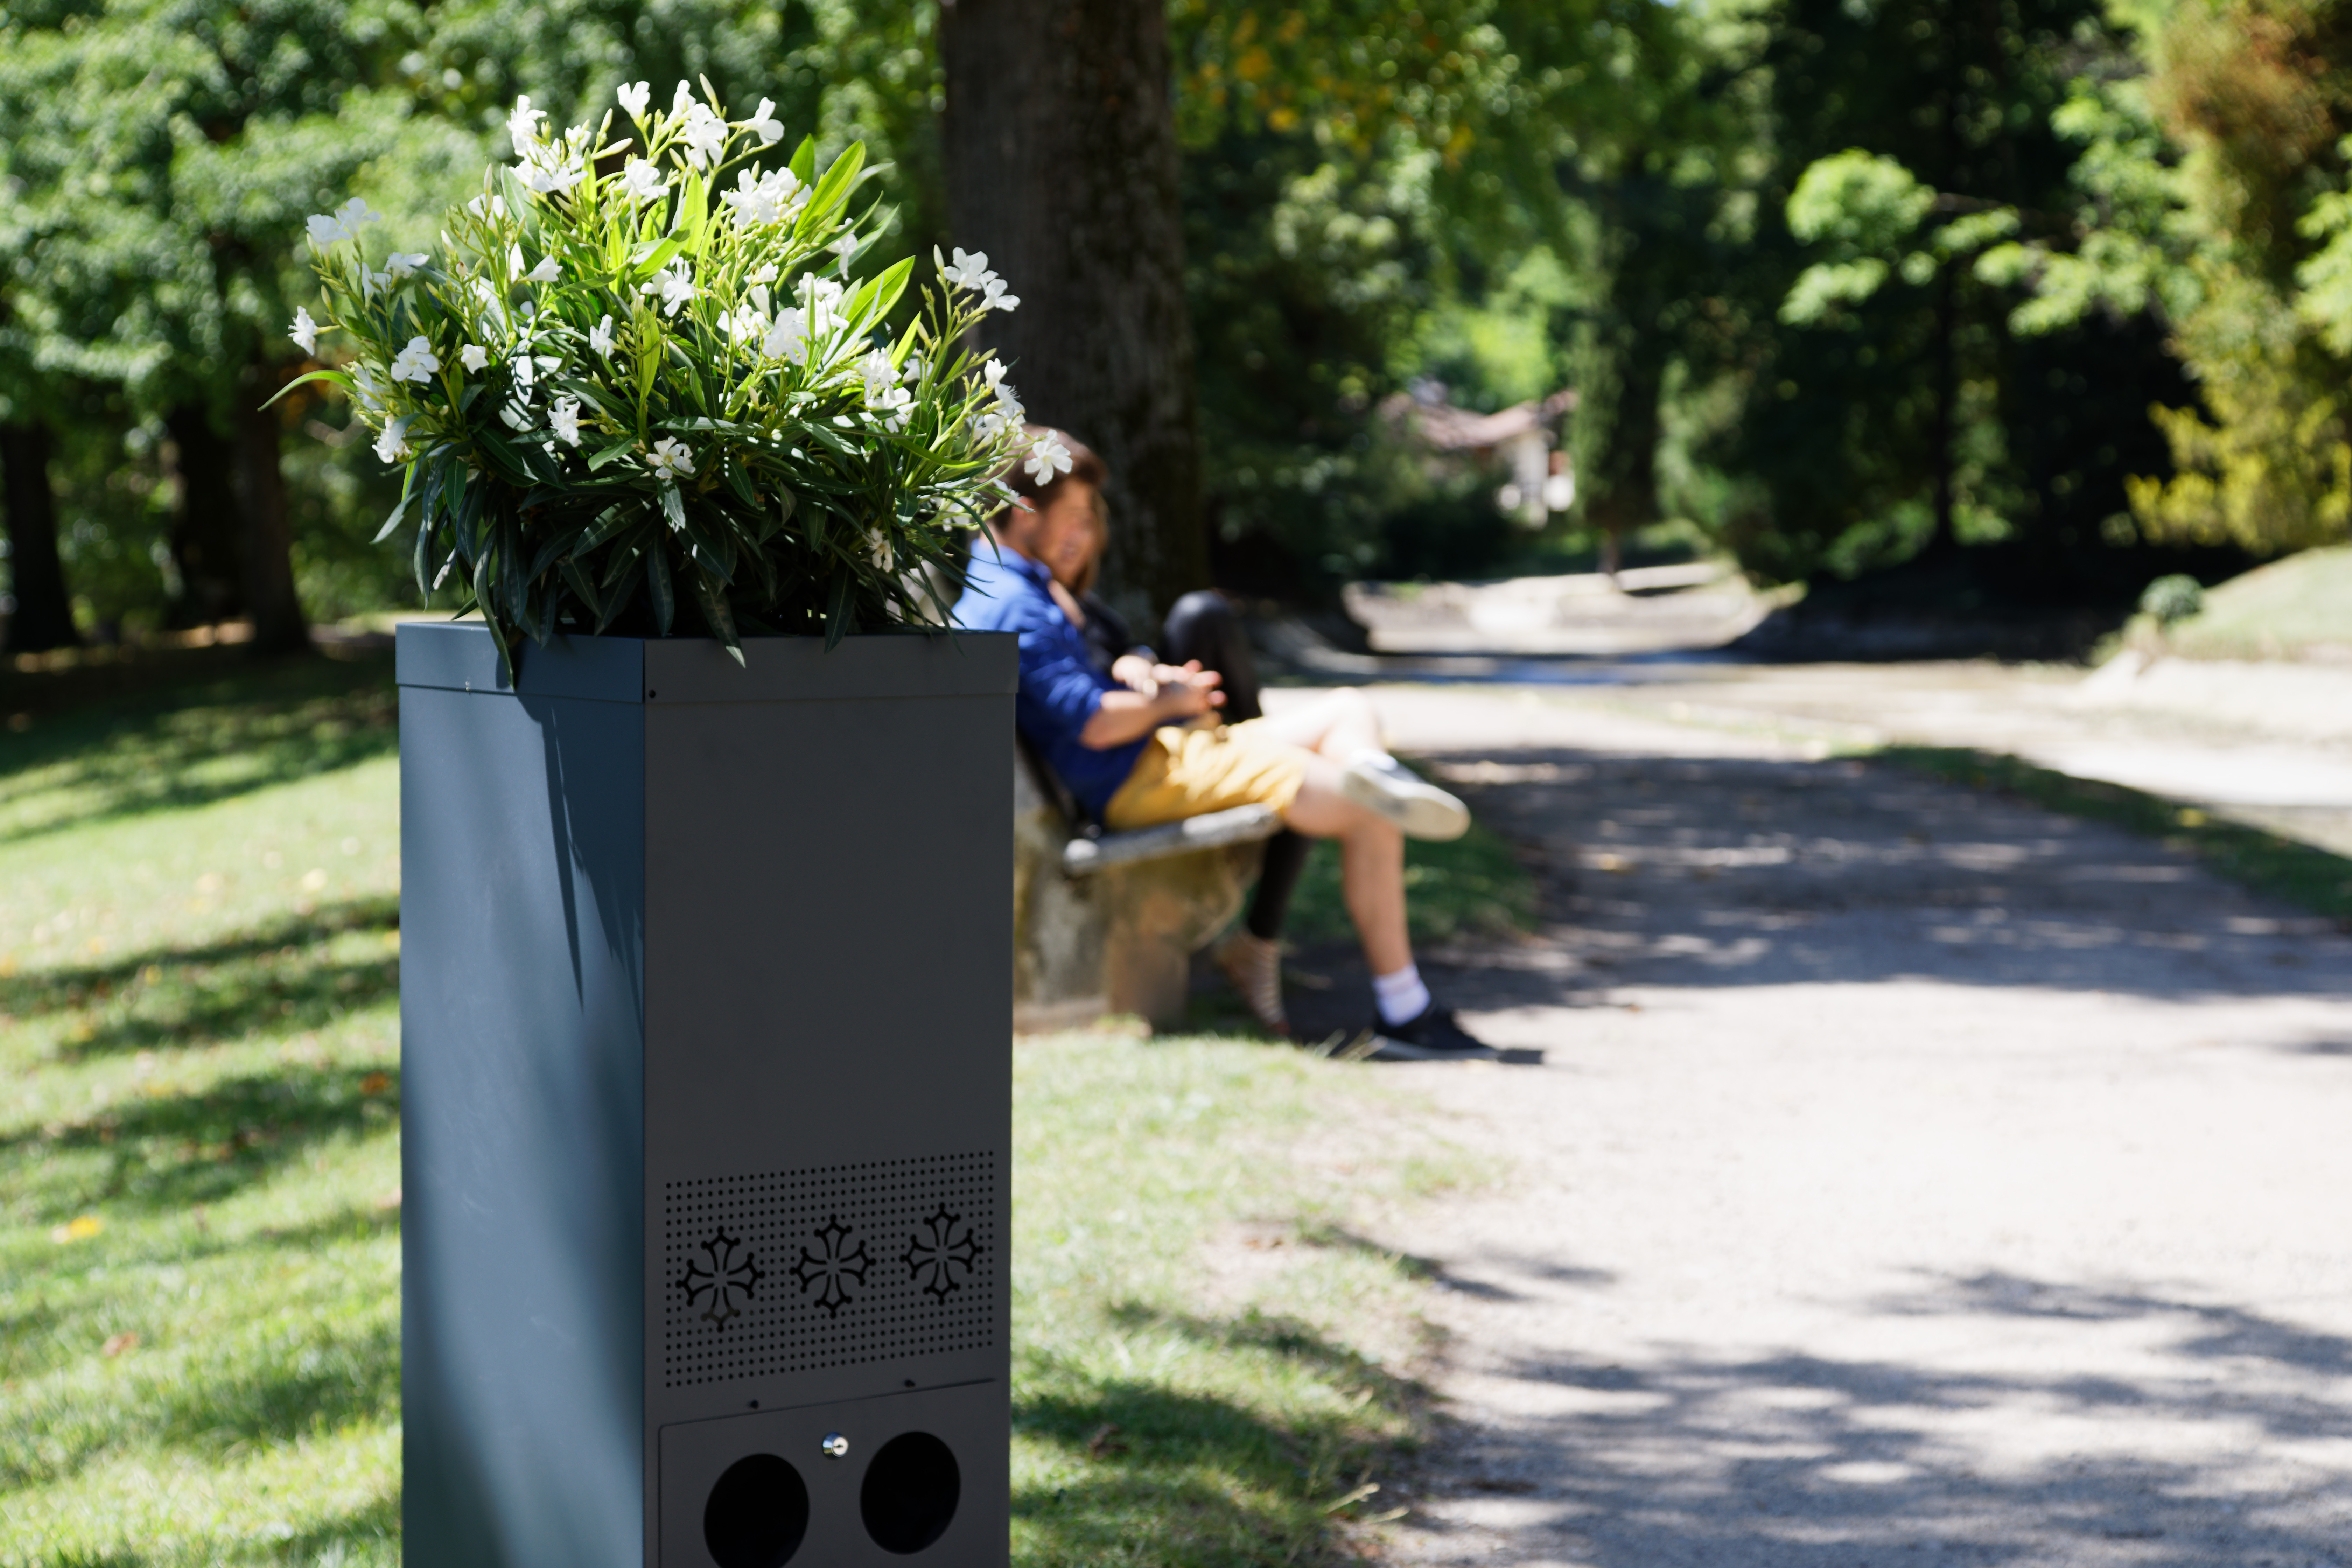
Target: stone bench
[{"x": 1108, "y": 923}]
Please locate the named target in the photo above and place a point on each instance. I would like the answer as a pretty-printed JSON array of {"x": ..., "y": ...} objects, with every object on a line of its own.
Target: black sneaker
[{"x": 1433, "y": 1036}]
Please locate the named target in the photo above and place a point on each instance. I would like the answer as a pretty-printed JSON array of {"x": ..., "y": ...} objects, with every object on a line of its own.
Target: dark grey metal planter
[{"x": 706, "y": 1102}]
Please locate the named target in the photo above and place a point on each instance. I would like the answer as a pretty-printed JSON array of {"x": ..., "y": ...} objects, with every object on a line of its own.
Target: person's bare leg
[
  {"x": 1372, "y": 863},
  {"x": 1339, "y": 724}
]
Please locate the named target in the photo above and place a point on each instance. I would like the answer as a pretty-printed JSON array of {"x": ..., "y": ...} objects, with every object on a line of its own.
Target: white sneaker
[{"x": 1418, "y": 808}]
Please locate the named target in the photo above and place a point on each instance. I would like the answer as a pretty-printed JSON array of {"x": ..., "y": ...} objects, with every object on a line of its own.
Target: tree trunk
[
  {"x": 1060, "y": 140},
  {"x": 205, "y": 529},
  {"x": 43, "y": 618},
  {"x": 268, "y": 557}
]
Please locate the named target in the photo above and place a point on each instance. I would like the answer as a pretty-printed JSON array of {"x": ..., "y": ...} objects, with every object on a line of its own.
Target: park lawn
[{"x": 199, "y": 1168}]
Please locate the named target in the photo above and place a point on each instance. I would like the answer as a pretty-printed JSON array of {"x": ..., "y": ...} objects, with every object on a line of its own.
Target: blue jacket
[{"x": 1060, "y": 686}]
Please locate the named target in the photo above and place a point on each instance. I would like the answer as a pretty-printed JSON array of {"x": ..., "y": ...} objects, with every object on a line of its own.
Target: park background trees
[{"x": 2030, "y": 298}]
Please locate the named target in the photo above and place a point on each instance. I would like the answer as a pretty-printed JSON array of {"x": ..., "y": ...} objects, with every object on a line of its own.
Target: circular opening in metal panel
[
  {"x": 911, "y": 1492},
  {"x": 757, "y": 1514}
]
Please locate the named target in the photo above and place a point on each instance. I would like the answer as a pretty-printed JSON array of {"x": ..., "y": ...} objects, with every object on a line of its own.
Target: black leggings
[{"x": 1204, "y": 625}]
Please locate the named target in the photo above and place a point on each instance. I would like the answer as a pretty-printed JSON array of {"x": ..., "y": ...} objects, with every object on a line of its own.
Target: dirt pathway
[{"x": 1913, "y": 1177}]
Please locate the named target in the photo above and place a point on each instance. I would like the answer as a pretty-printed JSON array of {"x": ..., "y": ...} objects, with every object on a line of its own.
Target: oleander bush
[{"x": 632, "y": 394}]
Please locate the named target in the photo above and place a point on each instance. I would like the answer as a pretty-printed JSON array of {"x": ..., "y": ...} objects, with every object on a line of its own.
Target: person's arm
[{"x": 1126, "y": 715}]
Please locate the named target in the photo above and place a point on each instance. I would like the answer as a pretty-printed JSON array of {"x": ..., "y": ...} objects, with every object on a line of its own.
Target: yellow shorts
[{"x": 1190, "y": 772}]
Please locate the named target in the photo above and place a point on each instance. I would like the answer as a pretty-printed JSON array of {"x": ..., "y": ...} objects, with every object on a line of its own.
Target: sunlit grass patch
[{"x": 1163, "y": 1413}]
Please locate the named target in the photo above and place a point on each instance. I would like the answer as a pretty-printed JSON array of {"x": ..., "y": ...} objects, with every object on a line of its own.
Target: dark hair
[{"x": 1084, "y": 466}]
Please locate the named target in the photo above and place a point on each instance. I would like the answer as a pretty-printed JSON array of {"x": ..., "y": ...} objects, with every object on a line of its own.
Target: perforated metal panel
[{"x": 828, "y": 1267}]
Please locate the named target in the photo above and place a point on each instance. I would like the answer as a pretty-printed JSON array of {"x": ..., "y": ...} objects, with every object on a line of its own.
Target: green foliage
[
  {"x": 2173, "y": 599},
  {"x": 605, "y": 404}
]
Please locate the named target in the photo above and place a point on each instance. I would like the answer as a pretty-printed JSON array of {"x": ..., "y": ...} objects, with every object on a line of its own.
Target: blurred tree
[
  {"x": 1061, "y": 163},
  {"x": 42, "y": 616}
]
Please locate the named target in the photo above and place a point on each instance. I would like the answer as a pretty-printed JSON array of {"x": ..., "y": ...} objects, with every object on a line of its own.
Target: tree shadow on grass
[
  {"x": 1206, "y": 1479},
  {"x": 198, "y": 741},
  {"x": 277, "y": 973},
  {"x": 167, "y": 1153}
]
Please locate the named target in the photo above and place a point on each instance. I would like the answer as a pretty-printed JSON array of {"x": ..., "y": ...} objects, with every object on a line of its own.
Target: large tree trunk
[
  {"x": 268, "y": 557},
  {"x": 43, "y": 618},
  {"x": 1060, "y": 138},
  {"x": 205, "y": 525}
]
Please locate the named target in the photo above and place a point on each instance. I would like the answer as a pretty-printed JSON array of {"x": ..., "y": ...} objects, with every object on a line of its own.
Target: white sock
[{"x": 1400, "y": 997}]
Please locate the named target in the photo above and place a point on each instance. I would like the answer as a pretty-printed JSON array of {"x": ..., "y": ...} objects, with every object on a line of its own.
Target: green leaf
[
  {"x": 337, "y": 377},
  {"x": 657, "y": 583},
  {"x": 877, "y": 295},
  {"x": 832, "y": 190},
  {"x": 620, "y": 449},
  {"x": 804, "y": 164},
  {"x": 714, "y": 610},
  {"x": 656, "y": 258},
  {"x": 400, "y": 508},
  {"x": 837, "y": 616}
]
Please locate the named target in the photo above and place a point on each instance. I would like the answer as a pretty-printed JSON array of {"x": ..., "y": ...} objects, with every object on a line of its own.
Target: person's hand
[
  {"x": 1137, "y": 673},
  {"x": 1186, "y": 690}
]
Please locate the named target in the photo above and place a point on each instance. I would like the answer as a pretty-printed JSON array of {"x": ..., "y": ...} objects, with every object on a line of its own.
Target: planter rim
[{"x": 459, "y": 656}]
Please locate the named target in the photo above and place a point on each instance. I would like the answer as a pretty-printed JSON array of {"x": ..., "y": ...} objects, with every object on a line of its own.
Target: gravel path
[{"x": 1912, "y": 1176}]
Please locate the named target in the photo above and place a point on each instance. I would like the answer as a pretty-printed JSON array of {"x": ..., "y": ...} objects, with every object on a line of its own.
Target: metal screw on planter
[{"x": 705, "y": 993}]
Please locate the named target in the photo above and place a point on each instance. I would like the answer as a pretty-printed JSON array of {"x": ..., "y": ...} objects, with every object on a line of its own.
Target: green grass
[
  {"x": 199, "y": 1224},
  {"x": 1474, "y": 886},
  {"x": 2286, "y": 868},
  {"x": 2288, "y": 609}
]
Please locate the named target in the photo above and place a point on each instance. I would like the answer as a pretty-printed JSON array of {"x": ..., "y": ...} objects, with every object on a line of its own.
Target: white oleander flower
[
  {"x": 634, "y": 98},
  {"x": 675, "y": 285},
  {"x": 1046, "y": 458},
  {"x": 343, "y": 223},
  {"x": 913, "y": 374},
  {"x": 818, "y": 316},
  {"x": 993, "y": 371},
  {"x": 747, "y": 325},
  {"x": 600, "y": 337},
  {"x": 473, "y": 356},
  {"x": 371, "y": 398},
  {"x": 489, "y": 205},
  {"x": 885, "y": 398},
  {"x": 968, "y": 271},
  {"x": 641, "y": 182},
  {"x": 546, "y": 271},
  {"x": 996, "y": 298},
  {"x": 878, "y": 551},
  {"x": 765, "y": 124},
  {"x": 765, "y": 199},
  {"x": 1008, "y": 413},
  {"x": 522, "y": 126},
  {"x": 392, "y": 444},
  {"x": 397, "y": 267},
  {"x": 670, "y": 461},
  {"x": 305, "y": 332},
  {"x": 371, "y": 281},
  {"x": 704, "y": 133},
  {"x": 846, "y": 246},
  {"x": 416, "y": 362},
  {"x": 767, "y": 273},
  {"x": 564, "y": 420},
  {"x": 682, "y": 101}
]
